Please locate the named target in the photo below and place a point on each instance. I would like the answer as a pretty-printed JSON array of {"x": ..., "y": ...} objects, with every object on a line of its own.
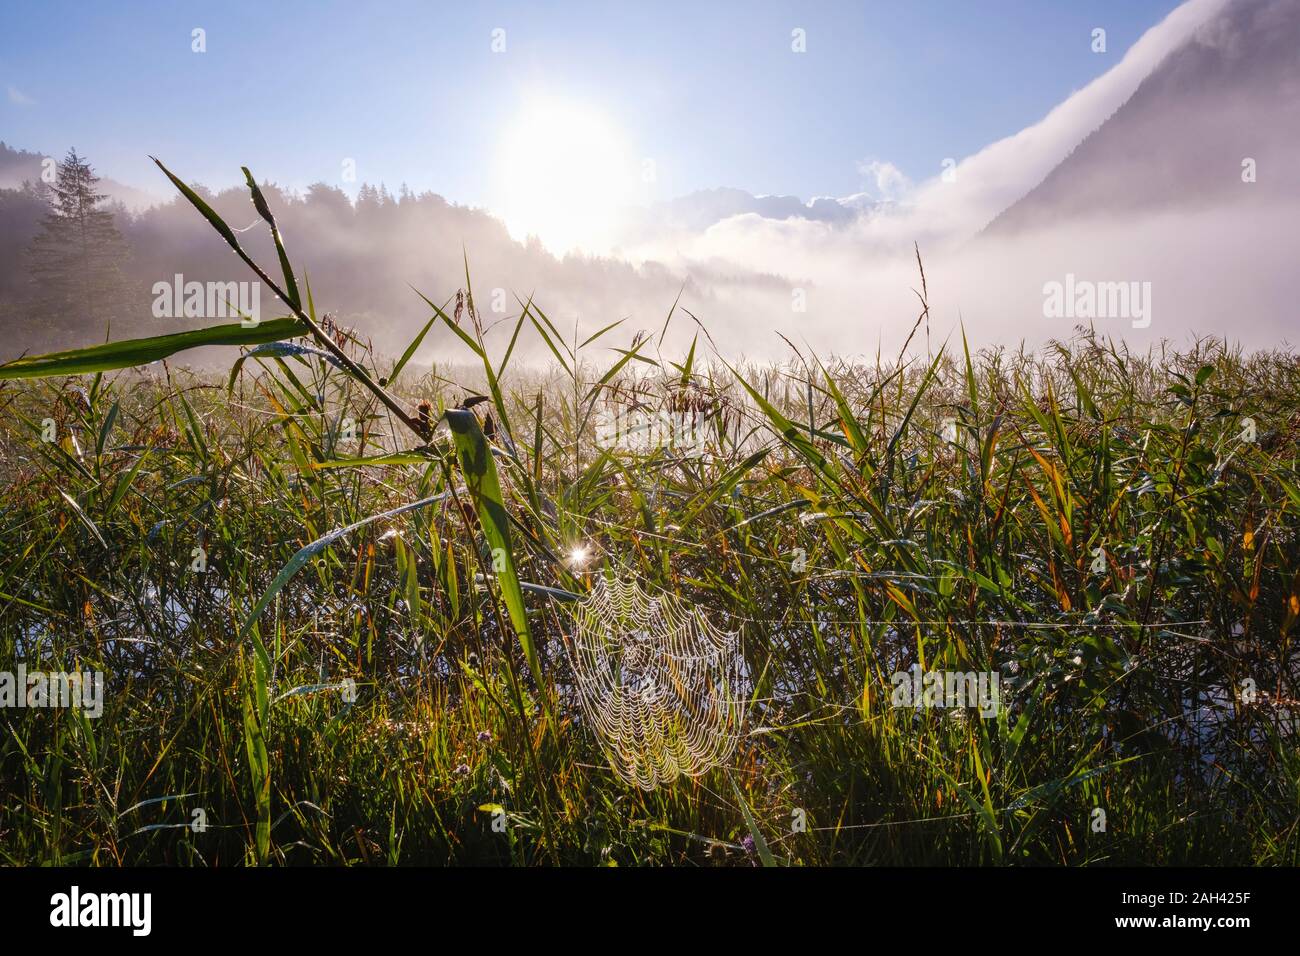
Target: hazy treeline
[{"x": 361, "y": 260}]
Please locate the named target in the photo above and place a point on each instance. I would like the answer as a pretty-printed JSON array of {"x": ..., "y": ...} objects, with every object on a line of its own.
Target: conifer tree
[{"x": 75, "y": 263}]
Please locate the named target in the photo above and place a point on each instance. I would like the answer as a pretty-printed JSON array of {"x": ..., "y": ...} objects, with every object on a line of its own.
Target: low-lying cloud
[{"x": 1214, "y": 253}]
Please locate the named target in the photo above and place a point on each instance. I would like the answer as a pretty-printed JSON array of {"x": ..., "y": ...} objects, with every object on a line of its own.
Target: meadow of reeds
[{"x": 1113, "y": 533}]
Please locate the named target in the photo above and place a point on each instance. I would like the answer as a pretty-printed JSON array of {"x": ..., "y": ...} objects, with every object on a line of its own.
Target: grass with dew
[{"x": 291, "y": 578}]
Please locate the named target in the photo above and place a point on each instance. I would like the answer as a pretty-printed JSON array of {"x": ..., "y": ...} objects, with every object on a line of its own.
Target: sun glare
[{"x": 564, "y": 176}]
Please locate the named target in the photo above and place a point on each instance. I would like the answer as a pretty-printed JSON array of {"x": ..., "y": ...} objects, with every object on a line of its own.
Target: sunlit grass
[{"x": 949, "y": 509}]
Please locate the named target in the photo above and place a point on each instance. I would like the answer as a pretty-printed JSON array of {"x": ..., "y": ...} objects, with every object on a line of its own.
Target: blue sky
[{"x": 412, "y": 91}]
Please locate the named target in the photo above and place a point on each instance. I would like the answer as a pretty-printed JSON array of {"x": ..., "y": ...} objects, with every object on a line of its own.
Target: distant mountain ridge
[{"x": 1180, "y": 140}]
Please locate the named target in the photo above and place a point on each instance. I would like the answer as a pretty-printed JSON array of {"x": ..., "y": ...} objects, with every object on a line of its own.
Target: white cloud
[
  {"x": 888, "y": 180},
  {"x": 18, "y": 97}
]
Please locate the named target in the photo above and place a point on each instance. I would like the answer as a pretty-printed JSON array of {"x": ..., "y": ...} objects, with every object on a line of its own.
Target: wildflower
[
  {"x": 747, "y": 844},
  {"x": 484, "y": 736},
  {"x": 462, "y": 769}
]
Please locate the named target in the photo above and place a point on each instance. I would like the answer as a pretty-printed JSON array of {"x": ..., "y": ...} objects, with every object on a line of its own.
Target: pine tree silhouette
[{"x": 75, "y": 263}]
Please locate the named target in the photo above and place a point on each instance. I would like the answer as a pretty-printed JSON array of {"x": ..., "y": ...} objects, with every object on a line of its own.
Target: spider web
[{"x": 660, "y": 684}]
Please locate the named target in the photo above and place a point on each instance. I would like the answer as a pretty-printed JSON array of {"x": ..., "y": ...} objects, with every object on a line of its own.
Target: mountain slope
[{"x": 1230, "y": 93}]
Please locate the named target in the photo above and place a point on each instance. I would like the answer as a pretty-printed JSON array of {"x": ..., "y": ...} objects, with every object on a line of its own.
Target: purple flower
[
  {"x": 747, "y": 844},
  {"x": 485, "y": 736},
  {"x": 463, "y": 769}
]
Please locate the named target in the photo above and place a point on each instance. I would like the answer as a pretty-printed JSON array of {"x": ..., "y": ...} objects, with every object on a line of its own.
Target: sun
[{"x": 564, "y": 174}]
